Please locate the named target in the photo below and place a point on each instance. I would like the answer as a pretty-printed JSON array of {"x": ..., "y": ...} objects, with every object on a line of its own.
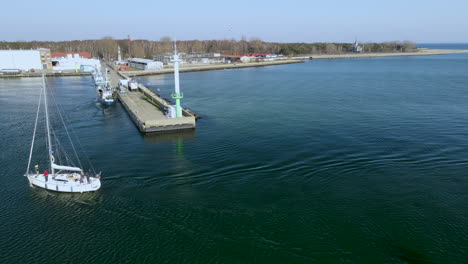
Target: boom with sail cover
[{"x": 66, "y": 168}]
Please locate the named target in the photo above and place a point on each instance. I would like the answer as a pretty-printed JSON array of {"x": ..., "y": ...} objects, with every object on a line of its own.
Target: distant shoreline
[
  {"x": 298, "y": 59},
  {"x": 290, "y": 60},
  {"x": 419, "y": 52}
]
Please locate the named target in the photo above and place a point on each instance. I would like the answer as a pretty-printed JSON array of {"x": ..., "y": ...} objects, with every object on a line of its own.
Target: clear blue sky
[{"x": 278, "y": 21}]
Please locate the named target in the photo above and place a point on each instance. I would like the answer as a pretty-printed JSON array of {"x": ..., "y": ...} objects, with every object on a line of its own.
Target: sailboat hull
[{"x": 69, "y": 183}]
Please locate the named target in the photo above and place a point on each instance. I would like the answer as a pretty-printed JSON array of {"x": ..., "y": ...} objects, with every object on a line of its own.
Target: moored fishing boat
[
  {"x": 99, "y": 79},
  {"x": 105, "y": 94}
]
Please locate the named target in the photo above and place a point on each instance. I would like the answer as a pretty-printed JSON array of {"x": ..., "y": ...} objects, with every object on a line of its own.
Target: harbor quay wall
[
  {"x": 47, "y": 74},
  {"x": 212, "y": 67},
  {"x": 157, "y": 124}
]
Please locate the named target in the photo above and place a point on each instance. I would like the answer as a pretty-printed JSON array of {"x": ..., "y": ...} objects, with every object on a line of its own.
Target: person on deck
[
  {"x": 37, "y": 169},
  {"x": 46, "y": 175}
]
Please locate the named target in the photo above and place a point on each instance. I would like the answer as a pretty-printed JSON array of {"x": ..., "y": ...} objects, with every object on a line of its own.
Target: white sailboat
[{"x": 61, "y": 178}]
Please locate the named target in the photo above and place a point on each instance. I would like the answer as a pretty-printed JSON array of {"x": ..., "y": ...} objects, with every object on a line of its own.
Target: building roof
[
  {"x": 19, "y": 51},
  {"x": 253, "y": 54},
  {"x": 231, "y": 55},
  {"x": 64, "y": 54},
  {"x": 139, "y": 60}
]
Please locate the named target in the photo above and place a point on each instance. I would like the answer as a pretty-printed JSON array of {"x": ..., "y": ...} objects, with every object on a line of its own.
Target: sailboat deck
[{"x": 65, "y": 182}]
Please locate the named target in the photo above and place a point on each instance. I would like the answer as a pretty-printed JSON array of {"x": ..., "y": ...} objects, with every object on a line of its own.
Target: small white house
[{"x": 245, "y": 59}]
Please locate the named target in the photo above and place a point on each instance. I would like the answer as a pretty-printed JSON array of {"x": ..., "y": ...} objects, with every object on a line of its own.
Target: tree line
[{"x": 107, "y": 47}]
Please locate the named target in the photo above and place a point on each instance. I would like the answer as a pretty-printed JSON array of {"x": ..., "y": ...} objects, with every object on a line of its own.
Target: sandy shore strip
[{"x": 419, "y": 52}]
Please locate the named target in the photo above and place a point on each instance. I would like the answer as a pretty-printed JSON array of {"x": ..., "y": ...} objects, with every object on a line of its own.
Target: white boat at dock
[
  {"x": 105, "y": 94},
  {"x": 99, "y": 80},
  {"x": 98, "y": 77}
]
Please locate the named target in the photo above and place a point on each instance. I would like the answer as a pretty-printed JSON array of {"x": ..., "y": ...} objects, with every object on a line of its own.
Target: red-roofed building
[
  {"x": 257, "y": 55},
  {"x": 86, "y": 55}
]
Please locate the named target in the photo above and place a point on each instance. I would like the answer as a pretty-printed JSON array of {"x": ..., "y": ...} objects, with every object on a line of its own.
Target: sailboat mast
[{"x": 49, "y": 142}]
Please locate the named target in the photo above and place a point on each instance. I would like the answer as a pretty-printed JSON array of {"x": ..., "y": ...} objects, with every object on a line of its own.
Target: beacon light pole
[{"x": 177, "y": 95}]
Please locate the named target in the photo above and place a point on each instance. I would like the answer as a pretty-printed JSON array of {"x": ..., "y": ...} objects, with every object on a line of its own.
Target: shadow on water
[
  {"x": 182, "y": 167},
  {"x": 176, "y": 137},
  {"x": 169, "y": 136},
  {"x": 409, "y": 256},
  {"x": 87, "y": 198},
  {"x": 107, "y": 111}
]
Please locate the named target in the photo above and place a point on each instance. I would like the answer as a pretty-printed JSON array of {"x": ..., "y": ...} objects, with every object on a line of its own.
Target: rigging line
[
  {"x": 70, "y": 139},
  {"x": 46, "y": 143},
  {"x": 78, "y": 141},
  {"x": 57, "y": 152},
  {"x": 62, "y": 153},
  {"x": 62, "y": 117},
  {"x": 34, "y": 133},
  {"x": 59, "y": 110},
  {"x": 84, "y": 151}
]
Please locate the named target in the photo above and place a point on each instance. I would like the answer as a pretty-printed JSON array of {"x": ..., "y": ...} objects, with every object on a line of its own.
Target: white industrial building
[
  {"x": 20, "y": 59},
  {"x": 203, "y": 58},
  {"x": 75, "y": 62},
  {"x": 145, "y": 64},
  {"x": 194, "y": 58}
]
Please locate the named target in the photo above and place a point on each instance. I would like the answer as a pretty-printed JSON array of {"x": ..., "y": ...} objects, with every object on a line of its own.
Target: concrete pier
[{"x": 146, "y": 108}]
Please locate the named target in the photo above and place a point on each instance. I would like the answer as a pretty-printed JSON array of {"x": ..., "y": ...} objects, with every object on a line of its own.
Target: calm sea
[
  {"x": 443, "y": 45},
  {"x": 327, "y": 161}
]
